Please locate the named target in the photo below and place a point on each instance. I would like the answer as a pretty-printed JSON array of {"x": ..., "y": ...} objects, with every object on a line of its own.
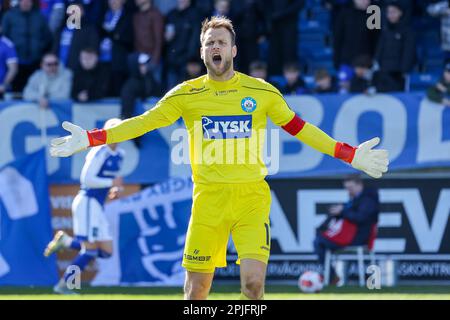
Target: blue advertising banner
[
  {"x": 25, "y": 226},
  {"x": 413, "y": 129},
  {"x": 149, "y": 232}
]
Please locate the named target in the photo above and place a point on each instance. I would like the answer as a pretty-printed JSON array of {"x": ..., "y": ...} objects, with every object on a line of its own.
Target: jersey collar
[{"x": 224, "y": 84}]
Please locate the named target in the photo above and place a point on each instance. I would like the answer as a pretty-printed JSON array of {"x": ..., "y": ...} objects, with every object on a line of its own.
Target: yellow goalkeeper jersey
[{"x": 226, "y": 124}]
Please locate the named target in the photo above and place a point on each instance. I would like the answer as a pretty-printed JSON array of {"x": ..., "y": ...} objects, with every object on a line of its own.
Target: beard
[{"x": 217, "y": 70}]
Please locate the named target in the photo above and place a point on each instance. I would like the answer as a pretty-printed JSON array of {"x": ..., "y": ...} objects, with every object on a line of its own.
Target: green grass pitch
[{"x": 231, "y": 292}]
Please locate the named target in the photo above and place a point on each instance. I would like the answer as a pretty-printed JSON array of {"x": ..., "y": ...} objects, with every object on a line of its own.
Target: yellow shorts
[{"x": 219, "y": 210}]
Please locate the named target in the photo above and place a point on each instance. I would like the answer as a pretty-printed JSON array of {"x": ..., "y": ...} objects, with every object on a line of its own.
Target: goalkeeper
[{"x": 225, "y": 111}]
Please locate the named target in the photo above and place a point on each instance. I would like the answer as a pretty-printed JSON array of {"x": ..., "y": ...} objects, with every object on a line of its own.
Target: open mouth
[{"x": 217, "y": 59}]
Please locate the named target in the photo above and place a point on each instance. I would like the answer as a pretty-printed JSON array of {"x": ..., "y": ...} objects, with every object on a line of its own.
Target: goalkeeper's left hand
[
  {"x": 78, "y": 140},
  {"x": 372, "y": 162}
]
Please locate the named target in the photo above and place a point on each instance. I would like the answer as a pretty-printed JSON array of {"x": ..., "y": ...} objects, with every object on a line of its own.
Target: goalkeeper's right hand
[{"x": 78, "y": 140}]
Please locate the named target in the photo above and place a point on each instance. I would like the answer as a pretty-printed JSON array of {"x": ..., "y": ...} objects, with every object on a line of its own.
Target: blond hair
[{"x": 217, "y": 22}]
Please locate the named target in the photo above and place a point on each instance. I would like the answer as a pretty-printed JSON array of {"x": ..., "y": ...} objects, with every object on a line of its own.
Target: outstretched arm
[
  {"x": 165, "y": 112},
  {"x": 372, "y": 162},
  {"x": 363, "y": 157}
]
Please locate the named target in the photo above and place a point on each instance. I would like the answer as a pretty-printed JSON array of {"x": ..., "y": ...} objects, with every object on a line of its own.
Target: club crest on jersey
[
  {"x": 227, "y": 127},
  {"x": 248, "y": 104}
]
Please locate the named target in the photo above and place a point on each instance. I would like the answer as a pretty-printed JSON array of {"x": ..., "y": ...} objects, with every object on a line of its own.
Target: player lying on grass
[
  {"x": 99, "y": 180},
  {"x": 226, "y": 110}
]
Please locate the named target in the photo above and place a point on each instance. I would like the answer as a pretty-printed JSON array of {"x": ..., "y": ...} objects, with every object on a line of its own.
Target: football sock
[
  {"x": 75, "y": 244},
  {"x": 72, "y": 243},
  {"x": 103, "y": 254},
  {"x": 81, "y": 261}
]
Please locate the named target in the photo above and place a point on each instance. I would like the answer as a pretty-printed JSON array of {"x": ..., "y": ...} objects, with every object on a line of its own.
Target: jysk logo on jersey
[
  {"x": 248, "y": 104},
  {"x": 227, "y": 127}
]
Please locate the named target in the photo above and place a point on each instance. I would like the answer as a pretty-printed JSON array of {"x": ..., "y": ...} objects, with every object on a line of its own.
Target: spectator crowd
[{"x": 133, "y": 49}]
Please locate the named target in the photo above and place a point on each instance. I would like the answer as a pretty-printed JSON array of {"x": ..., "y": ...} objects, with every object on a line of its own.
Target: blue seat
[
  {"x": 312, "y": 43},
  {"x": 426, "y": 23},
  {"x": 309, "y": 82},
  {"x": 320, "y": 13},
  {"x": 312, "y": 26},
  {"x": 312, "y": 37},
  {"x": 277, "y": 80},
  {"x": 419, "y": 81},
  {"x": 434, "y": 52},
  {"x": 433, "y": 65},
  {"x": 314, "y": 65},
  {"x": 312, "y": 3},
  {"x": 322, "y": 53}
]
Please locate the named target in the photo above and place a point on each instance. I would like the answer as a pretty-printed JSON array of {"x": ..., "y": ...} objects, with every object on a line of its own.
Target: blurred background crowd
[{"x": 135, "y": 49}]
